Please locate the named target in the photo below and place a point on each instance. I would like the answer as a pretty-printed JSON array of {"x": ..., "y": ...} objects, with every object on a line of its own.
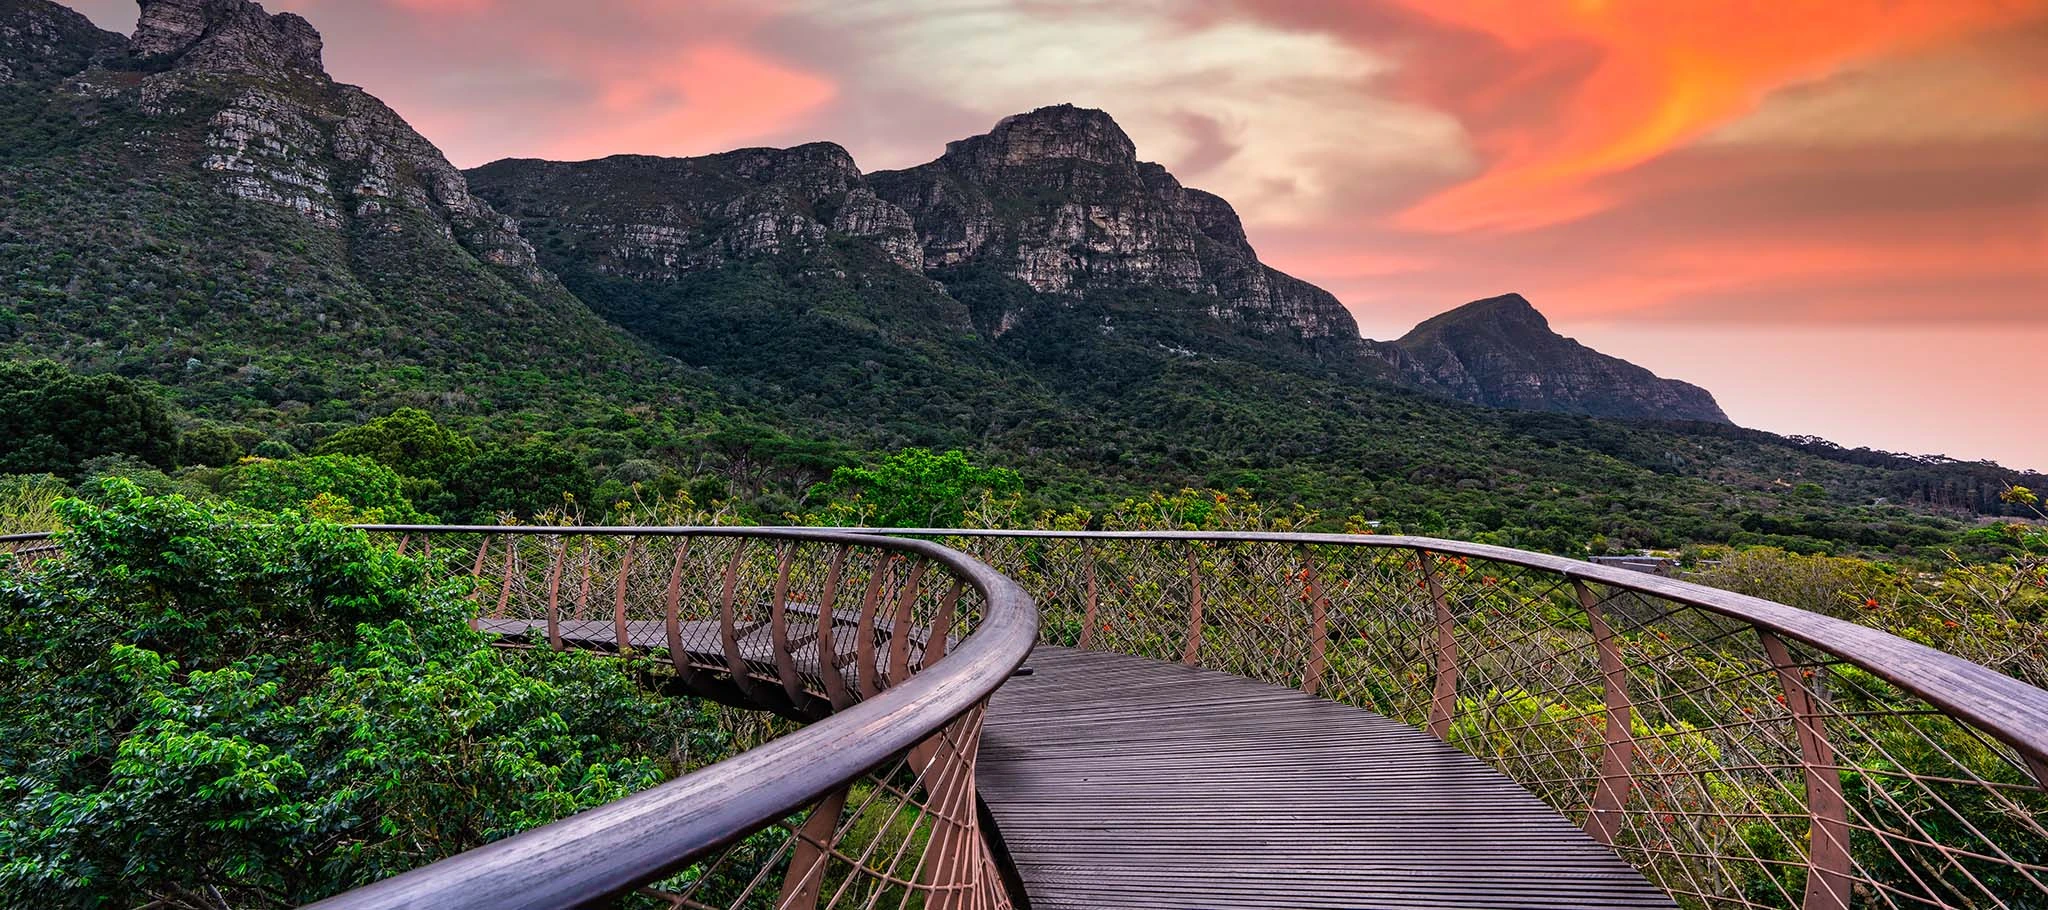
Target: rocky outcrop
[
  {"x": 235, "y": 36},
  {"x": 651, "y": 218},
  {"x": 279, "y": 132},
  {"x": 1058, "y": 199},
  {"x": 43, "y": 42},
  {"x": 1501, "y": 352},
  {"x": 1055, "y": 198}
]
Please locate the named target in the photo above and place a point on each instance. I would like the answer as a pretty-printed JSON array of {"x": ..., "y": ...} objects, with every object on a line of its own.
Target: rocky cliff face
[
  {"x": 1501, "y": 352},
  {"x": 1058, "y": 199},
  {"x": 1055, "y": 198},
  {"x": 648, "y": 218},
  {"x": 42, "y": 42},
  {"x": 204, "y": 192},
  {"x": 1056, "y": 202},
  {"x": 277, "y": 131}
]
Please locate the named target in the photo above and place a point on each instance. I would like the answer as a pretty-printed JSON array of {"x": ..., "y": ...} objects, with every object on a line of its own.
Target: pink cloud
[{"x": 707, "y": 97}]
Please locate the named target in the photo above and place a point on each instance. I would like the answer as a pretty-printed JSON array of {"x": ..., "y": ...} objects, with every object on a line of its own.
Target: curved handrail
[
  {"x": 1823, "y": 756},
  {"x": 1737, "y": 751},
  {"x": 2014, "y": 711},
  {"x": 602, "y": 853}
]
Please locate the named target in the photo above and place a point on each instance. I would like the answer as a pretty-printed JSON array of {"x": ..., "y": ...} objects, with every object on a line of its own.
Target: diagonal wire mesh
[
  {"x": 799, "y": 627},
  {"x": 1734, "y": 766},
  {"x": 1737, "y": 762}
]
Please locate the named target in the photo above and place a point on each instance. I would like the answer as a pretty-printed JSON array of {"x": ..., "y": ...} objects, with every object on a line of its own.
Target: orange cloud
[{"x": 1638, "y": 79}]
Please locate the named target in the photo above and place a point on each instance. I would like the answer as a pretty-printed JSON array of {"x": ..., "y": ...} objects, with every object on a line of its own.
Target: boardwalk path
[{"x": 1121, "y": 782}]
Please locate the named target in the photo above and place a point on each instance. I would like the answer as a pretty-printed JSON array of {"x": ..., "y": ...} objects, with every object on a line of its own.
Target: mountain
[
  {"x": 203, "y": 205},
  {"x": 1047, "y": 217},
  {"x": 1058, "y": 199},
  {"x": 651, "y": 218},
  {"x": 1502, "y": 353},
  {"x": 778, "y": 271}
]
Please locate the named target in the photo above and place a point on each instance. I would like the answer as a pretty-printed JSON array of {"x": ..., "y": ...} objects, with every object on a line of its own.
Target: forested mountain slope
[{"x": 202, "y": 208}]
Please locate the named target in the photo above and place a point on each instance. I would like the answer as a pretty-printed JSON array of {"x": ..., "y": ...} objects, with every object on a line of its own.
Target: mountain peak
[
  {"x": 1502, "y": 352},
  {"x": 233, "y": 36},
  {"x": 1511, "y": 312},
  {"x": 1058, "y": 132}
]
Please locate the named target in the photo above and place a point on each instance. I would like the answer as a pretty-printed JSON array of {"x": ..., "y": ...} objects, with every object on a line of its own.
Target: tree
[
  {"x": 915, "y": 488},
  {"x": 343, "y": 487},
  {"x": 408, "y": 441},
  {"x": 523, "y": 480},
  {"x": 52, "y": 420}
]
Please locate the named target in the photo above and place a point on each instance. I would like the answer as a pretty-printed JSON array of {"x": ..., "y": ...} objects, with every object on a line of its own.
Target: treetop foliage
[{"x": 207, "y": 710}]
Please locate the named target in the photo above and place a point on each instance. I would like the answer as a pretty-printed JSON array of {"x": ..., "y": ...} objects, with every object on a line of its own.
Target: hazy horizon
[{"x": 1838, "y": 224}]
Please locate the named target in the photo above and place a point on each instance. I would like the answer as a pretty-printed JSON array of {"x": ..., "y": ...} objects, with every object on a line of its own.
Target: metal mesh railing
[
  {"x": 871, "y": 806},
  {"x": 1740, "y": 753}
]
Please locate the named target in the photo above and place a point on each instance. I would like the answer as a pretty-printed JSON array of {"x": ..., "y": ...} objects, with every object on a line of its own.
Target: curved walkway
[{"x": 1123, "y": 782}]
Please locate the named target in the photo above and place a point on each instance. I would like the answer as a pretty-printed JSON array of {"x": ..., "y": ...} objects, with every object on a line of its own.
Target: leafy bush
[
  {"x": 522, "y": 480},
  {"x": 209, "y": 712}
]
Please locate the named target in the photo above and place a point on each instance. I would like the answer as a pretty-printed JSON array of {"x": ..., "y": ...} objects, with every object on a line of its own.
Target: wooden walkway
[{"x": 1121, "y": 782}]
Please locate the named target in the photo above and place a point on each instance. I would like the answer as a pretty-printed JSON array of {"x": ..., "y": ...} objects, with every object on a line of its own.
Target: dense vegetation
[{"x": 206, "y": 710}]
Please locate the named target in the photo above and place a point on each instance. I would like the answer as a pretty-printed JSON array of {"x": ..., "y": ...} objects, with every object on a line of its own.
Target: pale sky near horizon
[{"x": 1831, "y": 213}]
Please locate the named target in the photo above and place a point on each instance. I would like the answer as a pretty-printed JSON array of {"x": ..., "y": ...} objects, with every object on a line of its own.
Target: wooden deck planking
[{"x": 1121, "y": 782}]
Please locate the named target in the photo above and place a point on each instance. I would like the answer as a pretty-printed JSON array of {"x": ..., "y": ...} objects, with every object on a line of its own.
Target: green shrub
[
  {"x": 205, "y": 711},
  {"x": 341, "y": 487},
  {"x": 407, "y": 441},
  {"x": 913, "y": 488},
  {"x": 523, "y": 480}
]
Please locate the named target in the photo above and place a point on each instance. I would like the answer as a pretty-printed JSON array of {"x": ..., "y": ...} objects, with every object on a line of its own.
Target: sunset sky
[{"x": 1831, "y": 213}]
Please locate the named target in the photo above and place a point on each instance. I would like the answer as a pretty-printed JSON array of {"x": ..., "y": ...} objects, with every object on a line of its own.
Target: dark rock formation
[
  {"x": 43, "y": 42},
  {"x": 206, "y": 193},
  {"x": 650, "y": 218},
  {"x": 1058, "y": 199},
  {"x": 1501, "y": 352},
  {"x": 226, "y": 36},
  {"x": 1055, "y": 198},
  {"x": 278, "y": 131}
]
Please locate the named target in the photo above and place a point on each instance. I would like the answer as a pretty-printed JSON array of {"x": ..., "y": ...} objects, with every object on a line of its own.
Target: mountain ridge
[
  {"x": 1057, "y": 200},
  {"x": 212, "y": 137},
  {"x": 285, "y": 257}
]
